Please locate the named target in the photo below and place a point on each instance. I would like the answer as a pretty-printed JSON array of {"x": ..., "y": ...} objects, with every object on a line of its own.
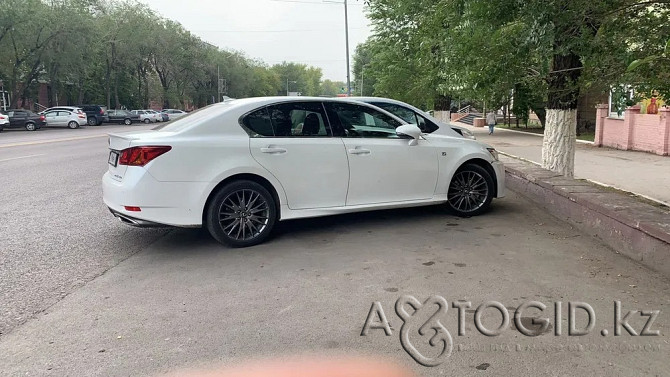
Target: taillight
[
  {"x": 140, "y": 156},
  {"x": 102, "y": 111},
  {"x": 82, "y": 116},
  {"x": 42, "y": 117}
]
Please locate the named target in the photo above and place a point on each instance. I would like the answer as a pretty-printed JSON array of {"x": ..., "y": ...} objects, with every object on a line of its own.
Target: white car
[
  {"x": 411, "y": 114},
  {"x": 71, "y": 117},
  {"x": 174, "y": 113},
  {"x": 146, "y": 116},
  {"x": 238, "y": 167},
  {"x": 4, "y": 121}
]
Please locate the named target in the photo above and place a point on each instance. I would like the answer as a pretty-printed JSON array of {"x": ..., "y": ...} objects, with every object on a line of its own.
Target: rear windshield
[{"x": 193, "y": 117}]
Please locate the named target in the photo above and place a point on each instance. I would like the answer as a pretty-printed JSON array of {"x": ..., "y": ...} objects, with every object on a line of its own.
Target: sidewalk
[{"x": 638, "y": 172}]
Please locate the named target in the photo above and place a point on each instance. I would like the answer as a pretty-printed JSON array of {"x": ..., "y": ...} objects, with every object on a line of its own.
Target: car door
[
  {"x": 383, "y": 167},
  {"x": 17, "y": 118},
  {"x": 51, "y": 118},
  {"x": 293, "y": 141}
]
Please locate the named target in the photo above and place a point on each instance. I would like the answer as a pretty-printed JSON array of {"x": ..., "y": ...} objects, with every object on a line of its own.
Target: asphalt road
[{"x": 83, "y": 295}]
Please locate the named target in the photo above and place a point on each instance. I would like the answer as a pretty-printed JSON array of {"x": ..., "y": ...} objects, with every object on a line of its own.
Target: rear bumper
[{"x": 161, "y": 203}]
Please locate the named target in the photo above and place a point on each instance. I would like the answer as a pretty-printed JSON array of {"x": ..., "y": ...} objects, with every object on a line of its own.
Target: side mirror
[{"x": 409, "y": 130}]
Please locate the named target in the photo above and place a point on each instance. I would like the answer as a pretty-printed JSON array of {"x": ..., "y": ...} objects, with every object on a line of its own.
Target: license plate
[{"x": 113, "y": 158}]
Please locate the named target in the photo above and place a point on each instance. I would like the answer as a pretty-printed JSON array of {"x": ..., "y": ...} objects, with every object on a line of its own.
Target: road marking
[
  {"x": 18, "y": 158},
  {"x": 50, "y": 141}
]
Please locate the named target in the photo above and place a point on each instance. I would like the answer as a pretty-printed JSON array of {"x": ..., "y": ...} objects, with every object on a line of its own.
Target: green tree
[{"x": 484, "y": 49}]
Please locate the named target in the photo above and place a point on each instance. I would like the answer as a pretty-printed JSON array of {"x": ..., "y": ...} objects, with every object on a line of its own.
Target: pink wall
[{"x": 640, "y": 132}]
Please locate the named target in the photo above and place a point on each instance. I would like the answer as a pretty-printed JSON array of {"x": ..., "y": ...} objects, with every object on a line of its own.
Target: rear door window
[
  {"x": 299, "y": 119},
  {"x": 258, "y": 123}
]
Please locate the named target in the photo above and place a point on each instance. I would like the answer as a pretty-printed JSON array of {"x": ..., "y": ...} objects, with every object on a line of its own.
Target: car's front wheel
[
  {"x": 241, "y": 214},
  {"x": 471, "y": 191}
]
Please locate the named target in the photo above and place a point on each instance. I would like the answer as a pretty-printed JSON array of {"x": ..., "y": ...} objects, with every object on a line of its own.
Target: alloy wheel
[
  {"x": 244, "y": 214},
  {"x": 468, "y": 191}
]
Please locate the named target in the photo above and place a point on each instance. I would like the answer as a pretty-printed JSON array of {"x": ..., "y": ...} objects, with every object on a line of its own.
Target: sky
[{"x": 301, "y": 31}]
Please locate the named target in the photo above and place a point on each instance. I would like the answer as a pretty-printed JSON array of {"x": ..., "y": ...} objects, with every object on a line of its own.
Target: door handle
[
  {"x": 273, "y": 150},
  {"x": 359, "y": 150}
]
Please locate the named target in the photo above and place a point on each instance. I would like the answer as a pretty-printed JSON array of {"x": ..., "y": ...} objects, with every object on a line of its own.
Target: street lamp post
[{"x": 346, "y": 35}]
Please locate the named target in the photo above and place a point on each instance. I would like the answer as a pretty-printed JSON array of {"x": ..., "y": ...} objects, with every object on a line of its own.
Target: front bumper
[{"x": 499, "y": 168}]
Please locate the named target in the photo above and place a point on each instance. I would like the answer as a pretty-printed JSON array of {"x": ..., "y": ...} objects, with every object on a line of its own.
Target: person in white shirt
[{"x": 491, "y": 121}]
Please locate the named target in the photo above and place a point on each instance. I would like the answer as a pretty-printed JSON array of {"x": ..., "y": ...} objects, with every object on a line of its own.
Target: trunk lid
[{"x": 120, "y": 141}]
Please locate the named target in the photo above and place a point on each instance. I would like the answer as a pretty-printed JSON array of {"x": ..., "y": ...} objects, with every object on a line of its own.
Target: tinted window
[
  {"x": 258, "y": 123},
  {"x": 401, "y": 112},
  {"x": 361, "y": 121},
  {"x": 408, "y": 115},
  {"x": 298, "y": 119}
]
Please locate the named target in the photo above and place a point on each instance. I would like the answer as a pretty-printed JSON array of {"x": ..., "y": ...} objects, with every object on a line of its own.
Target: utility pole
[{"x": 346, "y": 35}]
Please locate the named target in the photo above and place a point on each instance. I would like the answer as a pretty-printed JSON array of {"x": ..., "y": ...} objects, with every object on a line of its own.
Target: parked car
[
  {"x": 122, "y": 116},
  {"x": 59, "y": 117},
  {"x": 4, "y": 121},
  {"x": 95, "y": 114},
  {"x": 426, "y": 122},
  {"x": 160, "y": 117},
  {"x": 19, "y": 118},
  {"x": 174, "y": 113},
  {"x": 238, "y": 167},
  {"x": 146, "y": 116},
  {"x": 163, "y": 116},
  {"x": 67, "y": 108}
]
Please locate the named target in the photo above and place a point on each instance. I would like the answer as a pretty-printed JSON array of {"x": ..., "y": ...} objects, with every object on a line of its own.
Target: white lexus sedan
[{"x": 240, "y": 166}]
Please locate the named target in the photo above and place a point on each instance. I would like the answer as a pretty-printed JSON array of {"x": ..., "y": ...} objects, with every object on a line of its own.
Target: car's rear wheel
[
  {"x": 147, "y": 120},
  {"x": 127, "y": 122},
  {"x": 471, "y": 191},
  {"x": 31, "y": 126},
  {"x": 73, "y": 125},
  {"x": 241, "y": 214},
  {"x": 91, "y": 121}
]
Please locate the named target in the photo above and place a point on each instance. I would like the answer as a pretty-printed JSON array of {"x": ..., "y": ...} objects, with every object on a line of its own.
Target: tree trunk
[
  {"x": 116, "y": 91},
  {"x": 558, "y": 146}
]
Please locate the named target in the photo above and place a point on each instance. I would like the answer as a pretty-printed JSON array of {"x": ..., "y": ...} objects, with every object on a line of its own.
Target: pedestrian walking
[{"x": 491, "y": 121}]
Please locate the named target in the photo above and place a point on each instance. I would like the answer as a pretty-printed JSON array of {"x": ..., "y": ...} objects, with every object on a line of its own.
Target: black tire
[
  {"x": 30, "y": 126},
  {"x": 258, "y": 216},
  {"x": 92, "y": 121},
  {"x": 73, "y": 125},
  {"x": 471, "y": 191},
  {"x": 127, "y": 122},
  {"x": 147, "y": 120}
]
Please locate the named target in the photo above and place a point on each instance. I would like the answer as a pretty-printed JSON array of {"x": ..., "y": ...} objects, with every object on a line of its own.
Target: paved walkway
[{"x": 638, "y": 172}]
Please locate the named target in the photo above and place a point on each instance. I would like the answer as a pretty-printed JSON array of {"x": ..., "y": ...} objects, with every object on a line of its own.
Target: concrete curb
[{"x": 631, "y": 227}]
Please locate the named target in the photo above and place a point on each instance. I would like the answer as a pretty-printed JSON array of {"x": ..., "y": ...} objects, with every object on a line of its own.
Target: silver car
[
  {"x": 146, "y": 116},
  {"x": 71, "y": 117},
  {"x": 411, "y": 114}
]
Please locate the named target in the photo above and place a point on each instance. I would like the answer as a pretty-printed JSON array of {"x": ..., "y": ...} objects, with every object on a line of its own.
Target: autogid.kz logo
[{"x": 426, "y": 339}]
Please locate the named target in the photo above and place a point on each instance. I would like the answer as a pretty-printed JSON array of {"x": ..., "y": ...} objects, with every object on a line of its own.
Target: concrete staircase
[{"x": 470, "y": 118}]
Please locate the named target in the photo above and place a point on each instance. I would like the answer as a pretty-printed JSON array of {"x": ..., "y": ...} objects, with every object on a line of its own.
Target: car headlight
[
  {"x": 468, "y": 134},
  {"x": 493, "y": 152}
]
